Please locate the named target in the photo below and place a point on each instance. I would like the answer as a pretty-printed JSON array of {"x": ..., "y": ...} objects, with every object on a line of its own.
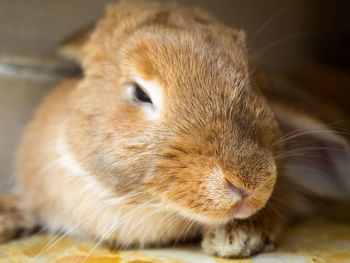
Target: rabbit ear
[
  {"x": 72, "y": 48},
  {"x": 316, "y": 157}
]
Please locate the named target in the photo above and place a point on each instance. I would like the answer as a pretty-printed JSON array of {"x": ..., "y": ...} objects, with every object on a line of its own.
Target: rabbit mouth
[
  {"x": 218, "y": 209},
  {"x": 215, "y": 216},
  {"x": 242, "y": 210}
]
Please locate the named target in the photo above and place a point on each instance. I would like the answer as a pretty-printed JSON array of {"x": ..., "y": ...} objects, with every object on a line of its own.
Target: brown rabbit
[{"x": 174, "y": 133}]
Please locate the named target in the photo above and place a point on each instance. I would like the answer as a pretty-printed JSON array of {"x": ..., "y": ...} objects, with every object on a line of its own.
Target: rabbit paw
[
  {"x": 13, "y": 220},
  {"x": 237, "y": 239}
]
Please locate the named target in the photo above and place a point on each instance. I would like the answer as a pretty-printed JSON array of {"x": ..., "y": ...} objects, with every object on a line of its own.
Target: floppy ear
[
  {"x": 123, "y": 17},
  {"x": 316, "y": 157},
  {"x": 73, "y": 46}
]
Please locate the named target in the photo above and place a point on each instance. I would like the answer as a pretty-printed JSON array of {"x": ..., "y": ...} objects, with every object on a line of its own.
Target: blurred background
[{"x": 308, "y": 41}]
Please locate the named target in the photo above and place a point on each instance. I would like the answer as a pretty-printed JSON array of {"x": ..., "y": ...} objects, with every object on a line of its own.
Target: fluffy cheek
[
  {"x": 197, "y": 190},
  {"x": 200, "y": 192},
  {"x": 191, "y": 196}
]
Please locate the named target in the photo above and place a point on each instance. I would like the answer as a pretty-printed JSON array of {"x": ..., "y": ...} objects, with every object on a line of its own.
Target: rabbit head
[{"x": 168, "y": 108}]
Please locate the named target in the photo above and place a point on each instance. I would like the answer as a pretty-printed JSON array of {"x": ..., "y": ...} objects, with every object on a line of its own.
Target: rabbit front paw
[{"x": 238, "y": 239}]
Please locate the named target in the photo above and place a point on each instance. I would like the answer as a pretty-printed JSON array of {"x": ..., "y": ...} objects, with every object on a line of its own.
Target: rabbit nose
[{"x": 237, "y": 193}]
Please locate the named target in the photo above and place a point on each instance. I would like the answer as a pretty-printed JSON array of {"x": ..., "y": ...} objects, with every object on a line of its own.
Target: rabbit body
[{"x": 173, "y": 133}]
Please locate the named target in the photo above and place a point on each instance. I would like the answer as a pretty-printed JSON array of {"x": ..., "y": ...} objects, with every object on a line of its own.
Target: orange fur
[{"x": 93, "y": 161}]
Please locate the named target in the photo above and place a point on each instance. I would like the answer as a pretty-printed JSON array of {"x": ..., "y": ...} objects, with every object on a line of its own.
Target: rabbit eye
[{"x": 140, "y": 95}]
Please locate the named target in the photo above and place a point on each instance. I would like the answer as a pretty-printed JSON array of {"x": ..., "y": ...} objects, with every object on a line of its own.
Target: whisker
[
  {"x": 58, "y": 237},
  {"x": 158, "y": 209},
  {"x": 112, "y": 229},
  {"x": 10, "y": 181},
  {"x": 296, "y": 35},
  {"x": 306, "y": 151},
  {"x": 187, "y": 229},
  {"x": 307, "y": 132},
  {"x": 100, "y": 240},
  {"x": 271, "y": 18}
]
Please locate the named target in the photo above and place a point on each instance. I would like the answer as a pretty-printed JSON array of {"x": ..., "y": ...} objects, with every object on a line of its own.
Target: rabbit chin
[{"x": 239, "y": 211}]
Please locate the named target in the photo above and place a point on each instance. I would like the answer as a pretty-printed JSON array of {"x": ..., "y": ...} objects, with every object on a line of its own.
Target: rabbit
[{"x": 174, "y": 132}]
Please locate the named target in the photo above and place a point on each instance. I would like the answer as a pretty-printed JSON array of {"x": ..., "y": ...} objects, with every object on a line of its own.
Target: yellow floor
[{"x": 313, "y": 241}]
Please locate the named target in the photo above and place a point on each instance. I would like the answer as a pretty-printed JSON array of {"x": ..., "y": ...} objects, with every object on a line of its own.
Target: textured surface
[{"x": 313, "y": 241}]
